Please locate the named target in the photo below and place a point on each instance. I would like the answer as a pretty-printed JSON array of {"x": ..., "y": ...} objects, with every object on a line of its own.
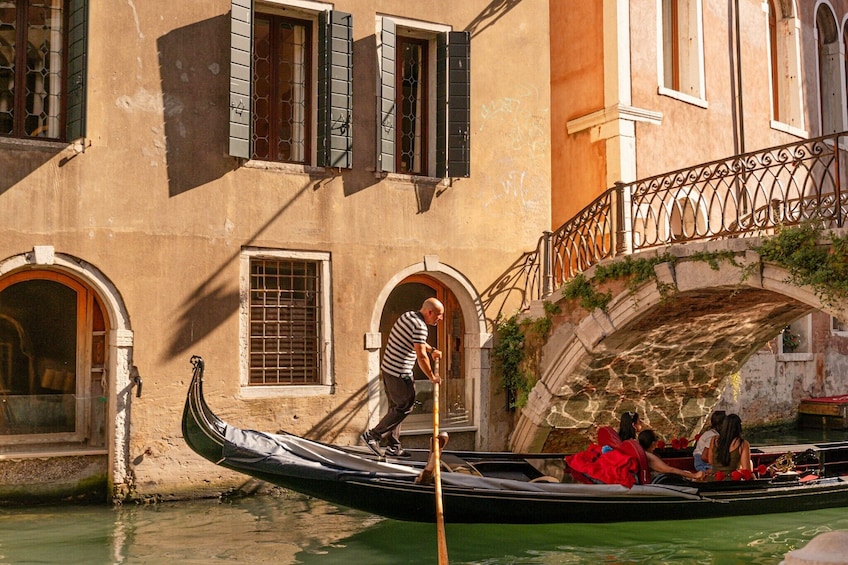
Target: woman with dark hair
[
  {"x": 730, "y": 451},
  {"x": 648, "y": 441},
  {"x": 630, "y": 426},
  {"x": 703, "y": 443}
]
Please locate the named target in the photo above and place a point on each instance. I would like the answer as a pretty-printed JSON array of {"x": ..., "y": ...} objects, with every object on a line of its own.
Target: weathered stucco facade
[{"x": 153, "y": 218}]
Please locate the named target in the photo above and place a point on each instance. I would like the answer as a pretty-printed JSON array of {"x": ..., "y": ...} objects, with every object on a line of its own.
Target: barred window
[{"x": 285, "y": 322}]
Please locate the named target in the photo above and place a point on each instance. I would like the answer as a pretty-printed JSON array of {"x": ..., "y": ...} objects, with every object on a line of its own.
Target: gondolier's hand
[{"x": 436, "y": 355}]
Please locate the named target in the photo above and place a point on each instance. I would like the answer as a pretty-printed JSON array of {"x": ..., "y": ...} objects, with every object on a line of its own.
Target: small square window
[{"x": 286, "y": 319}]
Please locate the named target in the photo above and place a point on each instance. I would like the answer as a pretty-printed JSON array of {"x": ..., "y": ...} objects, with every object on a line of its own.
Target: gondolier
[{"x": 407, "y": 344}]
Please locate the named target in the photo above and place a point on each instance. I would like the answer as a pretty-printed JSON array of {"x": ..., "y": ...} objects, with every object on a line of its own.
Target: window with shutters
[
  {"x": 681, "y": 50},
  {"x": 783, "y": 59},
  {"x": 833, "y": 110},
  {"x": 286, "y": 317},
  {"x": 424, "y": 114},
  {"x": 291, "y": 83},
  {"x": 42, "y": 69}
]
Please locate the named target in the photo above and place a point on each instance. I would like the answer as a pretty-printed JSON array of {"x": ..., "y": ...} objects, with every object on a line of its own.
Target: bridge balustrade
[{"x": 747, "y": 195}]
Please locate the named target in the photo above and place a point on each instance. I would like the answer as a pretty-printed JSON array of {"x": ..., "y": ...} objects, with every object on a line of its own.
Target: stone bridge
[{"x": 665, "y": 354}]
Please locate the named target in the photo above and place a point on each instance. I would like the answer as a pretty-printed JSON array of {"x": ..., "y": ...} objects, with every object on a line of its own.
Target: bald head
[{"x": 432, "y": 310}]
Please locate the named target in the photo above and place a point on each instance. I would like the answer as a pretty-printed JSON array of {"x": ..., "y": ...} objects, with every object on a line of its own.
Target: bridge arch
[{"x": 665, "y": 348}]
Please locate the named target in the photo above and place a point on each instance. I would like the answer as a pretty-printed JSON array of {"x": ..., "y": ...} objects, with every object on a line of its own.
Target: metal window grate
[{"x": 285, "y": 322}]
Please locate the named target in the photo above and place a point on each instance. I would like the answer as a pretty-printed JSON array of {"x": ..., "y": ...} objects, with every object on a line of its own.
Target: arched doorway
[
  {"x": 456, "y": 391},
  {"x": 53, "y": 356}
]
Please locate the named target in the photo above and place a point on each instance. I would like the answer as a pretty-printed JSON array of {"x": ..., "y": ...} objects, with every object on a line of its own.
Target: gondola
[{"x": 504, "y": 488}]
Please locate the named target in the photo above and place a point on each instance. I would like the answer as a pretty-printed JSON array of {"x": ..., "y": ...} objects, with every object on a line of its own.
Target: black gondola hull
[{"x": 343, "y": 477}]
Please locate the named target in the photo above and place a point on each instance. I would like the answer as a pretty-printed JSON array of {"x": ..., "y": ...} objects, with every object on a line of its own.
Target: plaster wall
[
  {"x": 732, "y": 115},
  {"x": 769, "y": 388},
  {"x": 155, "y": 203},
  {"x": 577, "y": 89}
]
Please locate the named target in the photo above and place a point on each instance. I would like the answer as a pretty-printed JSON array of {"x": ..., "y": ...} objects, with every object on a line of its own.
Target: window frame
[
  {"x": 326, "y": 385},
  {"x": 73, "y": 78},
  {"x": 783, "y": 56},
  {"x": 448, "y": 107},
  {"x": 305, "y": 93},
  {"x": 420, "y": 150},
  {"x": 682, "y": 25},
  {"x": 330, "y": 120}
]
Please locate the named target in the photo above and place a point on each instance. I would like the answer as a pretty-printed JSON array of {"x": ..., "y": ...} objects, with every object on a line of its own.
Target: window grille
[{"x": 285, "y": 322}]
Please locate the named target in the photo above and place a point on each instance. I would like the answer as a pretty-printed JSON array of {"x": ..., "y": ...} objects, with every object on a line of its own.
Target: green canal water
[{"x": 296, "y": 529}]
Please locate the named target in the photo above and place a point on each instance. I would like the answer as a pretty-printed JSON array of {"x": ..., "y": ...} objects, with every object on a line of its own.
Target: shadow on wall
[
  {"x": 214, "y": 300},
  {"x": 17, "y": 163},
  {"x": 489, "y": 17},
  {"x": 330, "y": 427},
  {"x": 194, "y": 70}
]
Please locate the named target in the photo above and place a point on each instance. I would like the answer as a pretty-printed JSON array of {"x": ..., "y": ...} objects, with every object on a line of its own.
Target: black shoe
[
  {"x": 396, "y": 451},
  {"x": 372, "y": 443}
]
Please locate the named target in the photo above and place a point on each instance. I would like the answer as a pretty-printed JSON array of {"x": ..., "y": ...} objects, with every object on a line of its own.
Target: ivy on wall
[
  {"x": 514, "y": 338},
  {"x": 800, "y": 251}
]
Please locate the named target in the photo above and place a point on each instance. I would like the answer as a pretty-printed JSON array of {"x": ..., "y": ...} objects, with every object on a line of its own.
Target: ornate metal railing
[{"x": 747, "y": 195}]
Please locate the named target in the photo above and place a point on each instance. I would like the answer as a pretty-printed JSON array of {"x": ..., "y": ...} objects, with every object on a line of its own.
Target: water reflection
[
  {"x": 291, "y": 528},
  {"x": 296, "y": 529}
]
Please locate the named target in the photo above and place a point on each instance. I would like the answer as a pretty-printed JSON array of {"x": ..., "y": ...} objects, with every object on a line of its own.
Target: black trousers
[{"x": 401, "y": 395}]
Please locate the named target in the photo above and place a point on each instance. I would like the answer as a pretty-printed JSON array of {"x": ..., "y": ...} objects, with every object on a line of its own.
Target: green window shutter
[
  {"x": 76, "y": 72},
  {"x": 388, "y": 112},
  {"x": 453, "y": 104},
  {"x": 241, "y": 77},
  {"x": 335, "y": 89}
]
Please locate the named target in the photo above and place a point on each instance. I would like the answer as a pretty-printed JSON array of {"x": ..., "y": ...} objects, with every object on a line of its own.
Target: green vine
[
  {"x": 638, "y": 271},
  {"x": 800, "y": 251},
  {"x": 714, "y": 258},
  {"x": 517, "y": 343}
]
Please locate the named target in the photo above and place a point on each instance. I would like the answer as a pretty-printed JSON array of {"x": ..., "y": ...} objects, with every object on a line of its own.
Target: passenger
[
  {"x": 716, "y": 419},
  {"x": 630, "y": 426},
  {"x": 729, "y": 451},
  {"x": 648, "y": 441}
]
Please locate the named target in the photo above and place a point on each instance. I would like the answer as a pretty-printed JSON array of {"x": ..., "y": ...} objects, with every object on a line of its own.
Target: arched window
[
  {"x": 845, "y": 52},
  {"x": 53, "y": 382},
  {"x": 830, "y": 67}
]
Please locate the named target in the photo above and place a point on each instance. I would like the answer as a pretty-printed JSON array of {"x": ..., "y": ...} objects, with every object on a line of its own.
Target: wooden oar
[{"x": 437, "y": 475}]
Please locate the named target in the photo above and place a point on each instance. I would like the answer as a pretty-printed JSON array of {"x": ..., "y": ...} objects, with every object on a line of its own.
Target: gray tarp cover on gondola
[{"x": 294, "y": 456}]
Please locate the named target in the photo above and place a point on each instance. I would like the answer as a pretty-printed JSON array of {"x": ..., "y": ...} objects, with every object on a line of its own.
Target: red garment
[{"x": 613, "y": 467}]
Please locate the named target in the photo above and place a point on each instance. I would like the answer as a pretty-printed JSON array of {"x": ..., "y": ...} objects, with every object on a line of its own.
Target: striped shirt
[{"x": 399, "y": 356}]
